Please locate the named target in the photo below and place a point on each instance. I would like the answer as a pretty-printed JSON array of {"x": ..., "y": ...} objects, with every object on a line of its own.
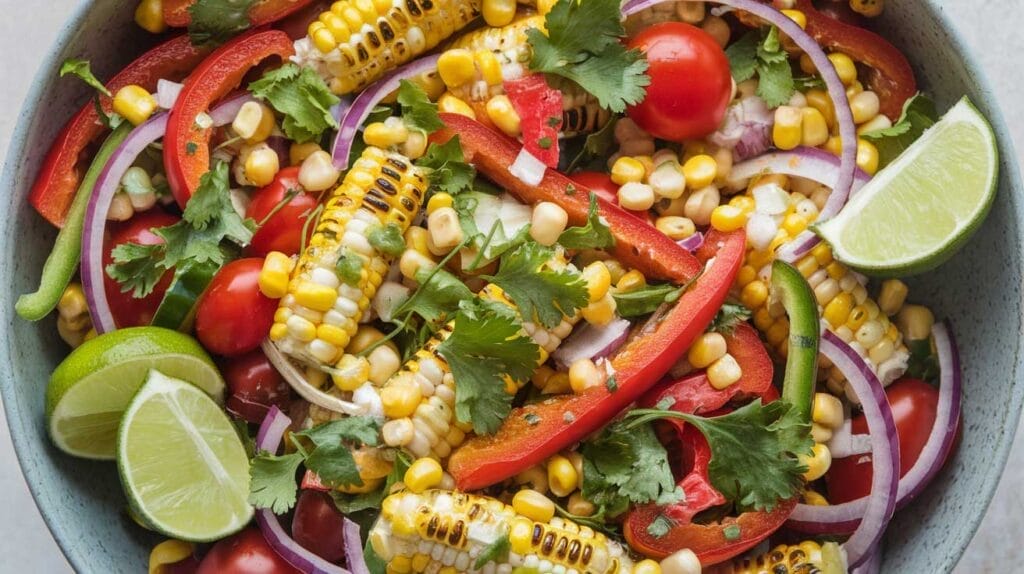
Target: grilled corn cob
[
  {"x": 445, "y": 532},
  {"x": 419, "y": 399},
  {"x": 356, "y": 42},
  {"x": 805, "y": 558},
  {"x": 476, "y": 64},
  {"x": 320, "y": 313}
]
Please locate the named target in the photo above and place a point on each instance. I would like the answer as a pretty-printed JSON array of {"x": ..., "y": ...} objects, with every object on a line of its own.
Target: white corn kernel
[
  {"x": 318, "y": 172},
  {"x": 548, "y": 222},
  {"x": 636, "y": 196},
  {"x": 445, "y": 229}
]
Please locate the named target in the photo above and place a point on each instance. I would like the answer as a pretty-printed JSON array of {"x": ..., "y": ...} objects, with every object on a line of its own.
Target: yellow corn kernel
[
  {"x": 273, "y": 279},
  {"x": 864, "y": 106},
  {"x": 724, "y": 372},
  {"x": 322, "y": 38},
  {"x": 647, "y": 567},
  {"x": 598, "y": 279},
  {"x": 382, "y": 135},
  {"x": 439, "y": 200},
  {"x": 533, "y": 505},
  {"x": 834, "y": 145},
  {"x": 821, "y": 101},
  {"x": 631, "y": 281},
  {"x": 583, "y": 374},
  {"x": 449, "y": 104},
  {"x": 424, "y": 474},
  {"x": 489, "y": 67},
  {"x": 317, "y": 297},
  {"x": 744, "y": 203},
  {"x": 600, "y": 312},
  {"x": 503, "y": 115},
  {"x": 869, "y": 8},
  {"x": 746, "y": 274},
  {"x": 336, "y": 25},
  {"x": 797, "y": 16},
  {"x": 262, "y": 165},
  {"x": 867, "y": 156},
  {"x": 400, "y": 565},
  {"x": 168, "y": 552},
  {"x": 545, "y": 6},
  {"x": 814, "y": 498},
  {"x": 400, "y": 400},
  {"x": 854, "y": 89},
  {"x": 817, "y": 463},
  {"x": 728, "y": 218},
  {"x": 706, "y": 350},
  {"x": 815, "y": 129},
  {"x": 700, "y": 171},
  {"x": 351, "y": 372},
  {"x": 827, "y": 410},
  {"x": 278, "y": 332},
  {"x": 844, "y": 66},
  {"x": 456, "y": 67},
  {"x": 787, "y": 133},
  {"x": 298, "y": 152},
  {"x": 754, "y": 294},
  {"x": 915, "y": 322},
  {"x": 562, "y": 476},
  {"x": 134, "y": 103},
  {"x": 416, "y": 238},
  {"x": 149, "y": 15},
  {"x": 333, "y": 335},
  {"x": 892, "y": 296},
  {"x": 778, "y": 332},
  {"x": 837, "y": 311},
  {"x": 498, "y": 13},
  {"x": 822, "y": 253},
  {"x": 627, "y": 170}
]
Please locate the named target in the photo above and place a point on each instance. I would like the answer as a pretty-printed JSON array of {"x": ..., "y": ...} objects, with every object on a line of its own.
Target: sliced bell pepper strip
[
  {"x": 654, "y": 254},
  {"x": 176, "y": 12},
  {"x": 187, "y": 145},
  {"x": 535, "y": 432},
  {"x": 891, "y": 76},
  {"x": 60, "y": 175}
]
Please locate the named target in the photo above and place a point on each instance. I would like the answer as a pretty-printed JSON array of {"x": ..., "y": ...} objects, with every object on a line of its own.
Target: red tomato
[
  {"x": 914, "y": 404},
  {"x": 244, "y": 553},
  {"x": 601, "y": 184},
  {"x": 233, "y": 316},
  {"x": 255, "y": 386},
  {"x": 691, "y": 84},
  {"x": 318, "y": 525},
  {"x": 127, "y": 310},
  {"x": 283, "y": 231}
]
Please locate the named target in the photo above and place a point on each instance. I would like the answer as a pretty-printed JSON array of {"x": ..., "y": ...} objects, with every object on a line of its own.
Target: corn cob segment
[
  {"x": 356, "y": 42},
  {"x": 445, "y": 532},
  {"x": 321, "y": 313},
  {"x": 419, "y": 401},
  {"x": 805, "y": 558}
]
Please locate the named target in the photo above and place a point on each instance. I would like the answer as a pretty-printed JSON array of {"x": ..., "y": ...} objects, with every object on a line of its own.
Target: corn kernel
[
  {"x": 600, "y": 312},
  {"x": 598, "y": 279},
  {"x": 706, "y": 350},
  {"x": 728, "y": 218},
  {"x": 700, "y": 171},
  {"x": 534, "y": 506},
  {"x": 635, "y": 196},
  {"x": 261, "y": 165},
  {"x": 503, "y": 115},
  {"x": 298, "y": 153},
  {"x": 867, "y": 156},
  {"x": 562, "y": 476},
  {"x": 449, "y": 104},
  {"x": 915, "y": 322},
  {"x": 317, "y": 297},
  {"x": 336, "y": 25},
  {"x": 149, "y": 15},
  {"x": 683, "y": 561},
  {"x": 797, "y": 16},
  {"x": 423, "y": 474},
  {"x": 584, "y": 374},
  {"x": 401, "y": 399},
  {"x": 444, "y": 228},
  {"x": 813, "y": 498},
  {"x": 322, "y": 38},
  {"x": 627, "y": 170},
  {"x": 498, "y": 13},
  {"x": 168, "y": 552},
  {"x": 837, "y": 311},
  {"x": 821, "y": 101},
  {"x": 744, "y": 203},
  {"x": 844, "y": 66},
  {"x": 134, "y": 103},
  {"x": 489, "y": 66},
  {"x": 456, "y": 67},
  {"x": 892, "y": 296},
  {"x": 439, "y": 200},
  {"x": 814, "y": 128},
  {"x": 787, "y": 133},
  {"x": 382, "y": 135},
  {"x": 273, "y": 278},
  {"x": 754, "y": 294},
  {"x": 817, "y": 463},
  {"x": 724, "y": 372},
  {"x": 828, "y": 410},
  {"x": 631, "y": 281},
  {"x": 547, "y": 223}
]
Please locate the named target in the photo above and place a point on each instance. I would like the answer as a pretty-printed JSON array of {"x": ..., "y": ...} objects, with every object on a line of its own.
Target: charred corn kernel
[
  {"x": 298, "y": 152},
  {"x": 865, "y": 106},
  {"x": 499, "y": 12},
  {"x": 134, "y": 103},
  {"x": 814, "y": 498},
  {"x": 827, "y": 411},
  {"x": 707, "y": 349},
  {"x": 915, "y": 322},
  {"x": 149, "y": 15},
  {"x": 631, "y": 281},
  {"x": 533, "y": 505},
  {"x": 168, "y": 552},
  {"x": 817, "y": 463},
  {"x": 728, "y": 218},
  {"x": 381, "y": 188},
  {"x": 700, "y": 171},
  {"x": 456, "y": 67},
  {"x": 439, "y": 200},
  {"x": 423, "y": 474},
  {"x": 503, "y": 115},
  {"x": 563, "y": 479},
  {"x": 400, "y": 400},
  {"x": 797, "y": 16},
  {"x": 444, "y": 228},
  {"x": 627, "y": 170},
  {"x": 844, "y": 66},
  {"x": 892, "y": 296},
  {"x": 254, "y": 122},
  {"x": 754, "y": 294},
  {"x": 273, "y": 279},
  {"x": 584, "y": 374},
  {"x": 787, "y": 133},
  {"x": 449, "y": 104},
  {"x": 636, "y": 196},
  {"x": 600, "y": 312},
  {"x": 667, "y": 180},
  {"x": 261, "y": 165},
  {"x": 681, "y": 562},
  {"x": 598, "y": 279},
  {"x": 383, "y": 135},
  {"x": 814, "y": 128},
  {"x": 869, "y": 8},
  {"x": 548, "y": 222},
  {"x": 724, "y": 372}
]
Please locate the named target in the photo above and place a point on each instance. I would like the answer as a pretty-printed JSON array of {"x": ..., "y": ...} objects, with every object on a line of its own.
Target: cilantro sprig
[
  {"x": 594, "y": 235},
  {"x": 760, "y": 53},
  {"x": 418, "y": 112},
  {"x": 583, "y": 44},
  {"x": 349, "y": 504},
  {"x": 448, "y": 170},
  {"x": 918, "y": 115},
  {"x": 273, "y": 483},
  {"x": 645, "y": 300},
  {"x": 542, "y": 295},
  {"x": 302, "y": 97},
  {"x": 82, "y": 70},
  {"x": 728, "y": 317}
]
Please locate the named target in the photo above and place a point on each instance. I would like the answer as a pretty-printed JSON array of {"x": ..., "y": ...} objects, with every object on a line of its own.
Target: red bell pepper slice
[
  {"x": 539, "y": 107},
  {"x": 891, "y": 76},
  {"x": 533, "y": 433},
  {"x": 186, "y": 145},
  {"x": 176, "y": 12},
  {"x": 637, "y": 245},
  {"x": 58, "y": 180}
]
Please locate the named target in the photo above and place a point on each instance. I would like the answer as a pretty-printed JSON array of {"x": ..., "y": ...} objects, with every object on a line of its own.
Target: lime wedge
[
  {"x": 90, "y": 389},
  {"x": 915, "y": 213},
  {"x": 182, "y": 463}
]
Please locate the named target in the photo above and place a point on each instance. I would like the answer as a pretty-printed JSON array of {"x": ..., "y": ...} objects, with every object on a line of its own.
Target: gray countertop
[{"x": 992, "y": 28}]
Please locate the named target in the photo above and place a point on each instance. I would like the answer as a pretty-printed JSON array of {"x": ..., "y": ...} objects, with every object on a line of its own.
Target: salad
[{"x": 560, "y": 286}]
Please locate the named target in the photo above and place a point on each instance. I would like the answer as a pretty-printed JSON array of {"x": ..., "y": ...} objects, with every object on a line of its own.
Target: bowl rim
[{"x": 47, "y": 70}]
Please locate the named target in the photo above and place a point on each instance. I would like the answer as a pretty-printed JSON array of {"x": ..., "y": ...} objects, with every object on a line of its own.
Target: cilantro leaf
[
  {"x": 760, "y": 53},
  {"x": 418, "y": 112},
  {"x": 775, "y": 85},
  {"x": 302, "y": 96},
  {"x": 334, "y": 465},
  {"x": 449, "y": 171},
  {"x": 626, "y": 464},
  {"x": 918, "y": 115},
  {"x": 273, "y": 481},
  {"x": 594, "y": 235},
  {"x": 742, "y": 55},
  {"x": 82, "y": 70},
  {"x": 497, "y": 552},
  {"x": 485, "y": 346},
  {"x": 438, "y": 296},
  {"x": 660, "y": 526},
  {"x": 352, "y": 503},
  {"x": 387, "y": 239},
  {"x": 542, "y": 295},
  {"x": 728, "y": 316},
  {"x": 216, "y": 21},
  {"x": 583, "y": 44},
  {"x": 923, "y": 363},
  {"x": 362, "y": 430},
  {"x": 644, "y": 301},
  {"x": 596, "y": 145}
]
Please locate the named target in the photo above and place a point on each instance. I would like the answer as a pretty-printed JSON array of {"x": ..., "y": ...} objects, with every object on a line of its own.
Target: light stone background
[{"x": 28, "y": 27}]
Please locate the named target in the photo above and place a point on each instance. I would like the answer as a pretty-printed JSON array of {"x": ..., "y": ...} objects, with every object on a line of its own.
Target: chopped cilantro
[
  {"x": 82, "y": 70},
  {"x": 302, "y": 97},
  {"x": 583, "y": 44},
  {"x": 349, "y": 268},
  {"x": 918, "y": 115},
  {"x": 532, "y": 419},
  {"x": 191, "y": 148},
  {"x": 486, "y": 346},
  {"x": 387, "y": 239},
  {"x": 660, "y": 526},
  {"x": 496, "y": 552},
  {"x": 449, "y": 171},
  {"x": 594, "y": 235},
  {"x": 216, "y": 21},
  {"x": 596, "y": 145},
  {"x": 418, "y": 112},
  {"x": 544, "y": 143},
  {"x": 542, "y": 295},
  {"x": 208, "y": 220},
  {"x": 761, "y": 53},
  {"x": 730, "y": 315},
  {"x": 731, "y": 532},
  {"x": 553, "y": 121},
  {"x": 611, "y": 383},
  {"x": 645, "y": 300},
  {"x": 570, "y": 189},
  {"x": 923, "y": 363}
]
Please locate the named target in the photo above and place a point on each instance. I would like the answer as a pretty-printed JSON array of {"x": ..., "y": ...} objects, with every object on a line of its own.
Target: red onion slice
[
  {"x": 269, "y": 439},
  {"x": 224, "y": 112},
  {"x": 592, "y": 342},
  {"x": 303, "y": 387},
  {"x": 367, "y": 100},
  {"x": 692, "y": 243}
]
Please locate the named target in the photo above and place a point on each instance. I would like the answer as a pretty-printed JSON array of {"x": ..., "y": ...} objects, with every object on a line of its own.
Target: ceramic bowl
[{"x": 979, "y": 291}]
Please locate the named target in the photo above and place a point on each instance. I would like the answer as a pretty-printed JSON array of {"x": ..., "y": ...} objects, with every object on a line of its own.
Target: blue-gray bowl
[{"x": 979, "y": 290}]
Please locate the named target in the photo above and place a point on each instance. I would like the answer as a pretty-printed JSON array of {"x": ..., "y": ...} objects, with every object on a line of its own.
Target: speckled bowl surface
[{"x": 979, "y": 291}]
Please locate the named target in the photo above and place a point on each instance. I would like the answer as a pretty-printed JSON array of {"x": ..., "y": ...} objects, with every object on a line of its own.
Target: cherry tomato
[
  {"x": 691, "y": 84},
  {"x": 914, "y": 404},
  {"x": 283, "y": 231},
  {"x": 601, "y": 184},
  {"x": 255, "y": 386},
  {"x": 318, "y": 525},
  {"x": 127, "y": 310},
  {"x": 233, "y": 316},
  {"x": 245, "y": 553},
  {"x": 189, "y": 565}
]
